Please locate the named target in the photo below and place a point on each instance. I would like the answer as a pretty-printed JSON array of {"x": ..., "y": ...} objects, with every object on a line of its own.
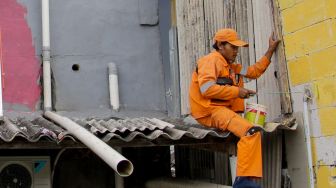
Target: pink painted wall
[{"x": 21, "y": 66}]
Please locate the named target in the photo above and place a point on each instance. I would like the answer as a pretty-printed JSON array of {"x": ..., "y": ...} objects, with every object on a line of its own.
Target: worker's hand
[
  {"x": 245, "y": 93},
  {"x": 273, "y": 43}
]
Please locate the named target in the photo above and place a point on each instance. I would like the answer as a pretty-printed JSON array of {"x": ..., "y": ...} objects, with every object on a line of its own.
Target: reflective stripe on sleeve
[{"x": 206, "y": 86}]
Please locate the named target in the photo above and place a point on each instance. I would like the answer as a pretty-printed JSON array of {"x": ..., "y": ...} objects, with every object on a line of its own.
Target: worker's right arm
[{"x": 208, "y": 72}]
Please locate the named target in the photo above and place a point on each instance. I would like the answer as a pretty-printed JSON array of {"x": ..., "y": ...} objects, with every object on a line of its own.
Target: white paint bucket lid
[{"x": 258, "y": 107}]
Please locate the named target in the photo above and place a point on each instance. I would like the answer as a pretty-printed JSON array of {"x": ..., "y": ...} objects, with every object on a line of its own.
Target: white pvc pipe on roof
[
  {"x": 115, "y": 160},
  {"x": 46, "y": 56}
]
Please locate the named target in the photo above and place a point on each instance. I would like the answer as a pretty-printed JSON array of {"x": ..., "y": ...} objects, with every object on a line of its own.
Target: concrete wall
[
  {"x": 93, "y": 34},
  {"x": 309, "y": 29},
  {"x": 90, "y": 35}
]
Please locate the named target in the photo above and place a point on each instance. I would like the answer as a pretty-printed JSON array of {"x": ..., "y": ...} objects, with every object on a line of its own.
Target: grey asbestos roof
[
  {"x": 109, "y": 130},
  {"x": 106, "y": 129}
]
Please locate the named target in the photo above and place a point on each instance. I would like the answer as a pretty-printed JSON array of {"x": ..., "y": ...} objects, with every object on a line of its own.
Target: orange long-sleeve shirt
[{"x": 204, "y": 93}]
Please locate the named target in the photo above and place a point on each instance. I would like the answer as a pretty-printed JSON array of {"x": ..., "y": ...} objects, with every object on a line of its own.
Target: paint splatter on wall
[{"x": 20, "y": 63}]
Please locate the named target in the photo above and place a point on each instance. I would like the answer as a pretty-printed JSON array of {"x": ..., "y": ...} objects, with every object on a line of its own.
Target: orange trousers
[{"x": 249, "y": 156}]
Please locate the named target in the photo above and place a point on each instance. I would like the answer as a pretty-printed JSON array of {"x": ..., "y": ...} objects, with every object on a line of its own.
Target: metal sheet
[{"x": 191, "y": 44}]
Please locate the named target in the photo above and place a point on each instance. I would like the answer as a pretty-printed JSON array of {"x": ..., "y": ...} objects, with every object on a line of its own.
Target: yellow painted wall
[{"x": 309, "y": 30}]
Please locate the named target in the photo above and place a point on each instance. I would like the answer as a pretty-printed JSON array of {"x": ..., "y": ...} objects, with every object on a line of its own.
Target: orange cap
[{"x": 230, "y": 36}]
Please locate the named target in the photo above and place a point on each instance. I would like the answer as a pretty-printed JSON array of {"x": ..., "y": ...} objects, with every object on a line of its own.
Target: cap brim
[{"x": 239, "y": 43}]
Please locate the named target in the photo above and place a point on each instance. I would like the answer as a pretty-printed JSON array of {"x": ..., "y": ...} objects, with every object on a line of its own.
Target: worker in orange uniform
[{"x": 217, "y": 94}]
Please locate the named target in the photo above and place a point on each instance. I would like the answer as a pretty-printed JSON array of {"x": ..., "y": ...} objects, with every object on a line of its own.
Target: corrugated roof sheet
[
  {"x": 125, "y": 130},
  {"x": 106, "y": 129}
]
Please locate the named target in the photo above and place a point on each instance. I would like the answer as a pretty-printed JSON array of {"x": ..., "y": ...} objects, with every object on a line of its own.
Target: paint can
[{"x": 256, "y": 113}]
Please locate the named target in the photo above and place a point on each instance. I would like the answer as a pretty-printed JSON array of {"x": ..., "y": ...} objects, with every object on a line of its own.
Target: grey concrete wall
[{"x": 93, "y": 33}]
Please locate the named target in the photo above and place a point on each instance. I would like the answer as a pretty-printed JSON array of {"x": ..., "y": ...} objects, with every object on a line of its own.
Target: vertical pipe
[
  {"x": 306, "y": 97},
  {"x": 46, "y": 56},
  {"x": 113, "y": 86}
]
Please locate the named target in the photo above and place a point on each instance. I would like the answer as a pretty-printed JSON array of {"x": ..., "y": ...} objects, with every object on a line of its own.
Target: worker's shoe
[
  {"x": 253, "y": 130},
  {"x": 245, "y": 182}
]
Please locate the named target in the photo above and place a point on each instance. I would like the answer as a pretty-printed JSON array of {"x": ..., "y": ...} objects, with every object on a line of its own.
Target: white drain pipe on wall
[
  {"x": 118, "y": 162},
  {"x": 306, "y": 98},
  {"x": 113, "y": 86},
  {"x": 46, "y": 56}
]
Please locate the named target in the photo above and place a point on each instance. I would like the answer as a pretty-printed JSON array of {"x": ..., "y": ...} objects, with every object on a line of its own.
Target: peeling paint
[
  {"x": 325, "y": 153},
  {"x": 21, "y": 66}
]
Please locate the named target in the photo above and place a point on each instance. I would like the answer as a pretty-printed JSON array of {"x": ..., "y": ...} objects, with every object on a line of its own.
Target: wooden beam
[
  {"x": 281, "y": 68},
  {"x": 138, "y": 142}
]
